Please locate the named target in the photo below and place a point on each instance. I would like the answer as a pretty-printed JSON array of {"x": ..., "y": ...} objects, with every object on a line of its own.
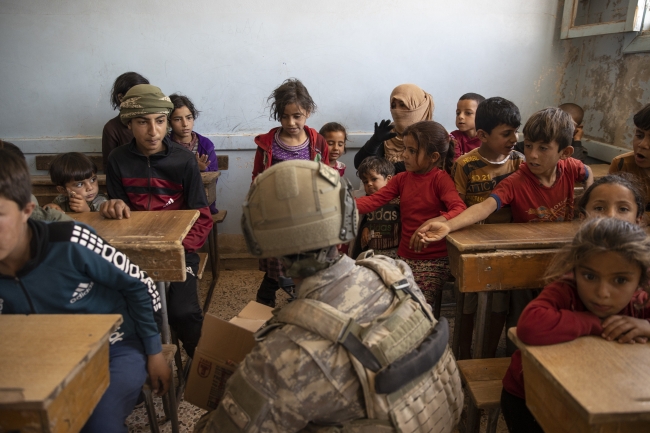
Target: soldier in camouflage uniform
[{"x": 308, "y": 371}]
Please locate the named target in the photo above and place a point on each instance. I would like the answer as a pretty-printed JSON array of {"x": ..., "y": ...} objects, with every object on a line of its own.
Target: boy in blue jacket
[{"x": 65, "y": 268}]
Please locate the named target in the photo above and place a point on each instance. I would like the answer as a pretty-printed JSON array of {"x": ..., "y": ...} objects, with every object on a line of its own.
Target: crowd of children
[{"x": 420, "y": 183}]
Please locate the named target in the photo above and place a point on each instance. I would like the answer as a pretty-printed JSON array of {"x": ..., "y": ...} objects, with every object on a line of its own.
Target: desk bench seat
[
  {"x": 482, "y": 379},
  {"x": 45, "y": 191},
  {"x": 44, "y": 161}
]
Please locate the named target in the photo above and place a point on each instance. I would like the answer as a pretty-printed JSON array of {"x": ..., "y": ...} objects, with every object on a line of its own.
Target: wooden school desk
[
  {"x": 152, "y": 240},
  {"x": 489, "y": 257},
  {"x": 587, "y": 385},
  {"x": 45, "y": 191},
  {"x": 53, "y": 370}
]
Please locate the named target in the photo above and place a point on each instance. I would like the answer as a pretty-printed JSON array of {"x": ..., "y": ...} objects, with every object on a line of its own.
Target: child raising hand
[{"x": 599, "y": 288}]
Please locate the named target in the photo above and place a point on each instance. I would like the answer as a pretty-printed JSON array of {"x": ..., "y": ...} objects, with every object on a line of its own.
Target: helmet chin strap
[{"x": 306, "y": 264}]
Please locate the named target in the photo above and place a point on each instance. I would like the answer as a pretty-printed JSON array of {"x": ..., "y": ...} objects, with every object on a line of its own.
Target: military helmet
[{"x": 298, "y": 206}]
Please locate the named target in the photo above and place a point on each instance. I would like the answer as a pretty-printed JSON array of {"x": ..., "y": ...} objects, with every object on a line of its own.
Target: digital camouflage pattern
[{"x": 295, "y": 380}]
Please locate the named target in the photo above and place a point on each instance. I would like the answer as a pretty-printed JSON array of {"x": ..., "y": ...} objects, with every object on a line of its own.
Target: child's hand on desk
[
  {"x": 626, "y": 329},
  {"x": 160, "y": 374},
  {"x": 115, "y": 209},
  {"x": 77, "y": 204},
  {"x": 53, "y": 206},
  {"x": 202, "y": 161},
  {"x": 432, "y": 230}
]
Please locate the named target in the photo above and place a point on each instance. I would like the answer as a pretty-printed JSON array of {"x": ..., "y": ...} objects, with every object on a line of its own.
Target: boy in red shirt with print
[{"x": 540, "y": 191}]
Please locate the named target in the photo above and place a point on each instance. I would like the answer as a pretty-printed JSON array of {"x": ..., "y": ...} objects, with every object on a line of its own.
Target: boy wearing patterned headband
[{"x": 153, "y": 173}]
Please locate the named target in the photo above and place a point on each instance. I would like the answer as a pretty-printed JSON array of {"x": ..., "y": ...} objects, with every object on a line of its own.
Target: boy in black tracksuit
[
  {"x": 153, "y": 173},
  {"x": 65, "y": 268}
]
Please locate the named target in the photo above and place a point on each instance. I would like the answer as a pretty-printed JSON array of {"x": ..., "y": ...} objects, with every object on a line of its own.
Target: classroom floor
[{"x": 235, "y": 289}]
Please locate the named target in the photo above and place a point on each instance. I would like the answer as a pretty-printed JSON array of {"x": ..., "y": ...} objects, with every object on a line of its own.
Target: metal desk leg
[
  {"x": 213, "y": 248},
  {"x": 166, "y": 331},
  {"x": 482, "y": 323}
]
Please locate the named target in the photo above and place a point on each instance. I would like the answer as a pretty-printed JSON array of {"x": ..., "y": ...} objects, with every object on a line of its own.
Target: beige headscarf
[{"x": 419, "y": 106}]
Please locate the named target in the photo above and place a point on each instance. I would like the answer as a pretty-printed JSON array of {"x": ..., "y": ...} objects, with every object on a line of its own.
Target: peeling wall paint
[{"x": 609, "y": 85}]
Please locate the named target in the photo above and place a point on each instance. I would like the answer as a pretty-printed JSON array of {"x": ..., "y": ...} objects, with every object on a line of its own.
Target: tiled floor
[{"x": 235, "y": 289}]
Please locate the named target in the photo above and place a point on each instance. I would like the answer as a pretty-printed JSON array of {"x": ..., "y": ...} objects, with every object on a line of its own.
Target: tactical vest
[{"x": 409, "y": 377}]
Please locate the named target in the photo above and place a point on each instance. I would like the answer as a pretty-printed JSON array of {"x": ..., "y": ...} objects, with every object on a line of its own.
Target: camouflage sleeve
[
  {"x": 281, "y": 388},
  {"x": 97, "y": 202}
]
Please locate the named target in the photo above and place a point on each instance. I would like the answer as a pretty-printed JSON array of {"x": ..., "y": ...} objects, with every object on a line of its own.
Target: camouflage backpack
[{"x": 409, "y": 377}]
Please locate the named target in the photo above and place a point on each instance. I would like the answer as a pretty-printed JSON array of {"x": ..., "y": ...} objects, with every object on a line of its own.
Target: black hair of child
[
  {"x": 181, "y": 101},
  {"x": 291, "y": 91},
  {"x": 123, "y": 84},
  {"x": 642, "y": 118},
  {"x": 335, "y": 127},
  {"x": 496, "y": 111},
  {"x": 472, "y": 97},
  {"x": 576, "y": 112},
  {"x": 15, "y": 182},
  {"x": 548, "y": 125},
  {"x": 626, "y": 180},
  {"x": 70, "y": 166},
  {"x": 12, "y": 148},
  {"x": 433, "y": 137},
  {"x": 379, "y": 165}
]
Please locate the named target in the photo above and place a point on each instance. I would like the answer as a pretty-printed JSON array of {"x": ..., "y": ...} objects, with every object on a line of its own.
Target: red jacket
[
  {"x": 463, "y": 143},
  {"x": 167, "y": 180},
  {"x": 557, "y": 315},
  {"x": 318, "y": 151},
  {"x": 422, "y": 196}
]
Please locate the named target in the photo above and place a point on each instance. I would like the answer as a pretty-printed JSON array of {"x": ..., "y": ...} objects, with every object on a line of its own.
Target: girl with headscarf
[{"x": 408, "y": 104}]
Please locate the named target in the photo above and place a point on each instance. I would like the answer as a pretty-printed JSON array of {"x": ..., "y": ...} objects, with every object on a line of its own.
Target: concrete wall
[
  {"x": 59, "y": 60},
  {"x": 609, "y": 85}
]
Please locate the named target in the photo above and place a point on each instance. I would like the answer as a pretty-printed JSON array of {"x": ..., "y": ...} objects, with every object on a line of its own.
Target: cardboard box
[{"x": 223, "y": 345}]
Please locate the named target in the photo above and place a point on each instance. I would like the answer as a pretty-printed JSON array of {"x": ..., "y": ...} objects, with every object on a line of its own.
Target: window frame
[{"x": 636, "y": 13}]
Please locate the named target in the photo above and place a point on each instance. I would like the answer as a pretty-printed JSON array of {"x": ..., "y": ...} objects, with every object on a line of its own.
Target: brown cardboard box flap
[
  {"x": 253, "y": 316},
  {"x": 225, "y": 341},
  {"x": 222, "y": 347},
  {"x": 254, "y": 310}
]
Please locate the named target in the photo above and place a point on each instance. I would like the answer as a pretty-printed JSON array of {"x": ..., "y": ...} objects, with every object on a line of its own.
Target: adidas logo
[
  {"x": 171, "y": 200},
  {"x": 82, "y": 290},
  {"x": 116, "y": 336}
]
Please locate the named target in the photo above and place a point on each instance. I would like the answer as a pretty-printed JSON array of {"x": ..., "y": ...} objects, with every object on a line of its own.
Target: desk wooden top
[
  {"x": 41, "y": 353},
  {"x": 609, "y": 381},
  {"x": 492, "y": 237},
  {"x": 207, "y": 177},
  {"x": 599, "y": 170},
  {"x": 151, "y": 228},
  {"x": 152, "y": 240}
]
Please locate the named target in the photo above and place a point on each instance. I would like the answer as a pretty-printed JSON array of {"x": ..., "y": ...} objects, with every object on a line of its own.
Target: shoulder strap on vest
[
  {"x": 324, "y": 320},
  {"x": 391, "y": 275}
]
